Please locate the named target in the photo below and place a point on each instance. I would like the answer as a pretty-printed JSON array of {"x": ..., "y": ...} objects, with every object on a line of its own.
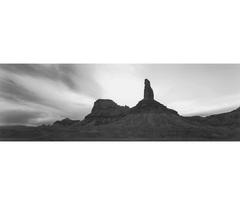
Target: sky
[{"x": 35, "y": 94}]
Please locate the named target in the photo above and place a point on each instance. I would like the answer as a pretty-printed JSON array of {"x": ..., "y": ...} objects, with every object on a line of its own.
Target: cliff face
[{"x": 105, "y": 111}]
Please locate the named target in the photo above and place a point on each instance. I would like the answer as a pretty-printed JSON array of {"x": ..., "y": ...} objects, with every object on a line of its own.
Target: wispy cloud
[{"x": 65, "y": 90}]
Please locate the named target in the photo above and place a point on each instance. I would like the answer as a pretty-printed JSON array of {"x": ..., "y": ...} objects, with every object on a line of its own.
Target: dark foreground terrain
[{"x": 149, "y": 120}]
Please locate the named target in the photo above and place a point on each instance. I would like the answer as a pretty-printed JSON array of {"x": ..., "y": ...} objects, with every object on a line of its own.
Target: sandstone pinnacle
[{"x": 148, "y": 91}]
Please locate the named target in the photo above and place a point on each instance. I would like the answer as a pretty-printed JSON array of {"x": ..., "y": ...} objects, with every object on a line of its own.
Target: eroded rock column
[{"x": 148, "y": 91}]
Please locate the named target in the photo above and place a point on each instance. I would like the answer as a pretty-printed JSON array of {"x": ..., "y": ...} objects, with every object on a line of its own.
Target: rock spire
[{"x": 148, "y": 91}]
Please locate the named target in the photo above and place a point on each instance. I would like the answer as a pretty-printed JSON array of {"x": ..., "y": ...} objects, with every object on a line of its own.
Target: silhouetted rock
[
  {"x": 148, "y": 91},
  {"x": 105, "y": 111},
  {"x": 148, "y": 104},
  {"x": 145, "y": 106},
  {"x": 66, "y": 122}
]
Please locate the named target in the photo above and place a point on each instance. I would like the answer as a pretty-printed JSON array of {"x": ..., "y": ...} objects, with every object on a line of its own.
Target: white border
[{"x": 127, "y": 31}]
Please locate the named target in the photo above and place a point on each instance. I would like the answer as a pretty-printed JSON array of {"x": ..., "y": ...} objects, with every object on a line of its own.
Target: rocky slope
[{"x": 230, "y": 119}]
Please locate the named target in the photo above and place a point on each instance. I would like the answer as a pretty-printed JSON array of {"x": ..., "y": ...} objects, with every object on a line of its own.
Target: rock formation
[
  {"x": 151, "y": 106},
  {"x": 148, "y": 91},
  {"x": 148, "y": 104},
  {"x": 105, "y": 111}
]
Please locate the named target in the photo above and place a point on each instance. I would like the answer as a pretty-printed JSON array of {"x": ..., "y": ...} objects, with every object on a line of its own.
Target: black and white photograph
[{"x": 120, "y": 102}]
